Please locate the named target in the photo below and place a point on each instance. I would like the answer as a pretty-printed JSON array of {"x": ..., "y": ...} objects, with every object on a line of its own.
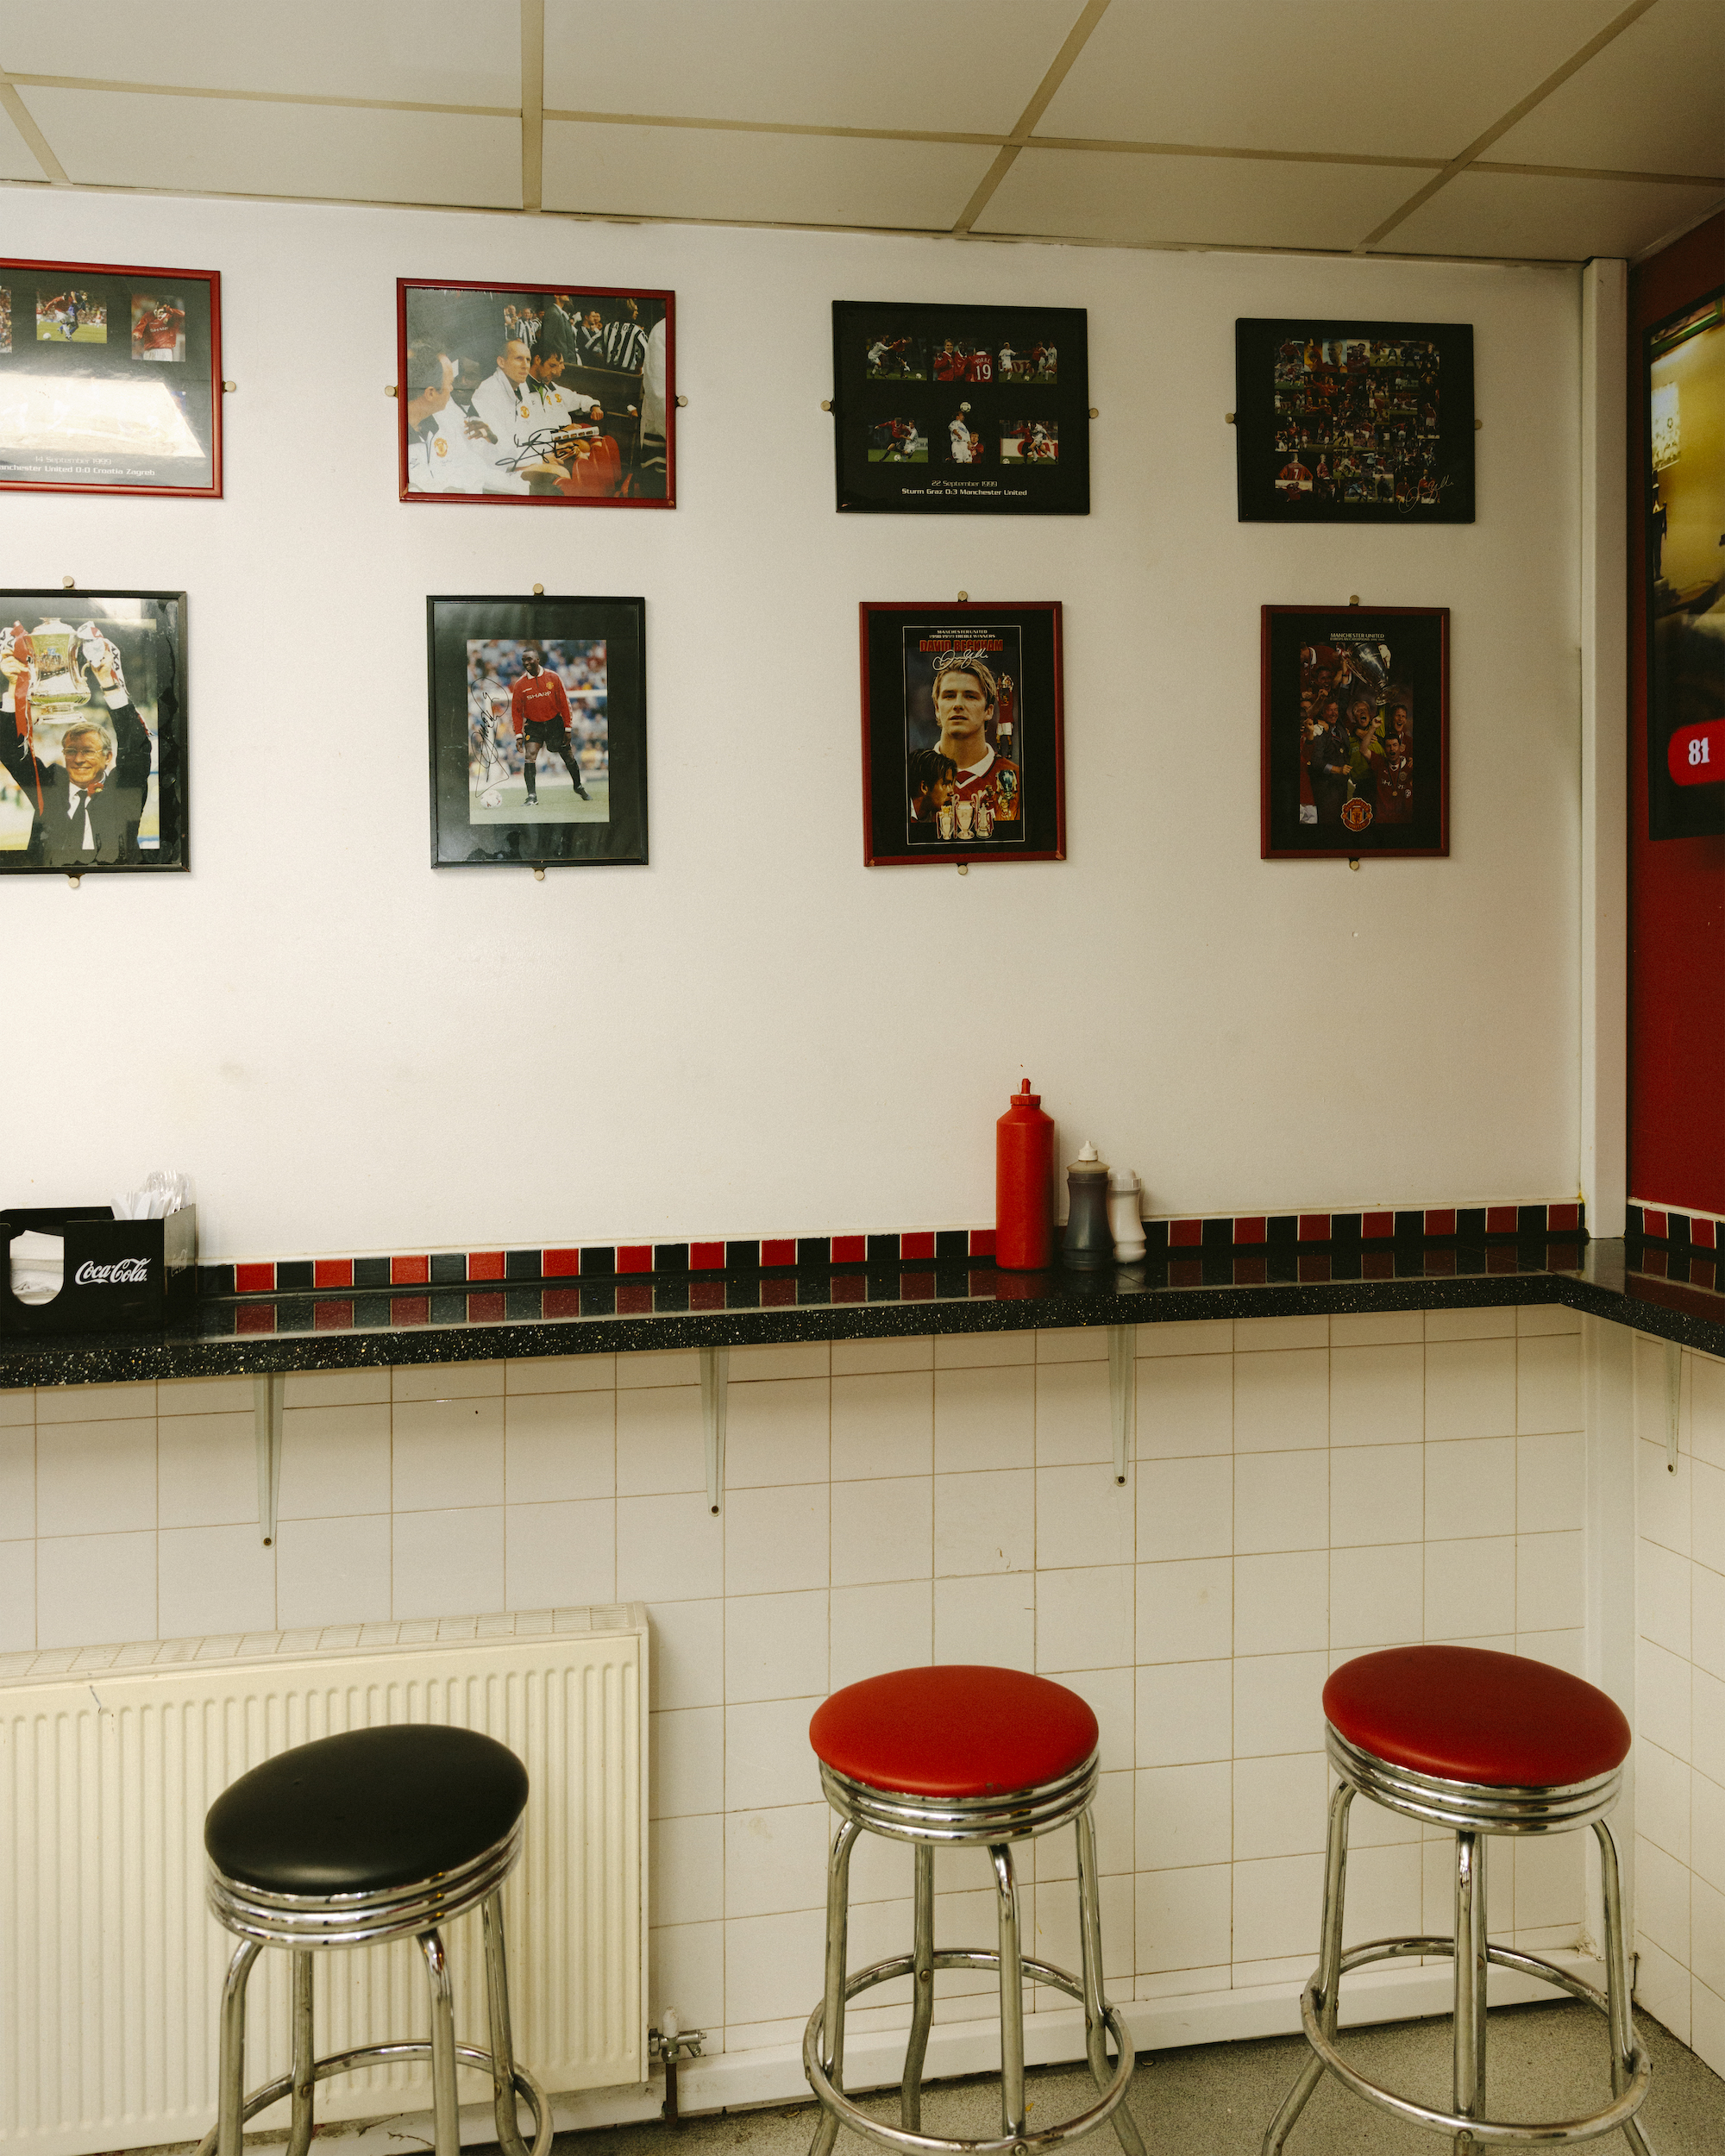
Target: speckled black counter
[{"x": 1631, "y": 1284}]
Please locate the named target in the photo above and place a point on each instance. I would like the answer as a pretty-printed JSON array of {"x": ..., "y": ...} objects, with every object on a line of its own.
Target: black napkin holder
[{"x": 121, "y": 1276}]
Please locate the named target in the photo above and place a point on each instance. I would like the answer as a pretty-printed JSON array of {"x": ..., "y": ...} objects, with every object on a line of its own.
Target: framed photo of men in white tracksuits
[{"x": 92, "y": 732}]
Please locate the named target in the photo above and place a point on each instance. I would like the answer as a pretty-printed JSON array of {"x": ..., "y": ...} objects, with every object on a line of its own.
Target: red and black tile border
[
  {"x": 1679, "y": 1231},
  {"x": 1248, "y": 1238}
]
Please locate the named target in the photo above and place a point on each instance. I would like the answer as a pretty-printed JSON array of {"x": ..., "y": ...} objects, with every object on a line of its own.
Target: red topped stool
[
  {"x": 949, "y": 1757},
  {"x": 1484, "y": 1744}
]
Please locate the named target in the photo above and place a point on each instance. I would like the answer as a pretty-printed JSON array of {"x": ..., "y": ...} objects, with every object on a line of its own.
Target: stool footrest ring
[
  {"x": 377, "y": 2054},
  {"x": 839, "y": 2106},
  {"x": 1501, "y": 2131}
]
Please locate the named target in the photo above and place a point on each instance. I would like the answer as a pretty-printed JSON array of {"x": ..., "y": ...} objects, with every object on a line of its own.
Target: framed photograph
[
  {"x": 961, "y": 410},
  {"x": 92, "y": 732},
  {"x": 1683, "y": 384},
  {"x": 508, "y": 392},
  {"x": 1354, "y": 423},
  {"x": 538, "y": 731},
  {"x": 1356, "y": 742},
  {"x": 962, "y": 746},
  {"x": 111, "y": 379}
]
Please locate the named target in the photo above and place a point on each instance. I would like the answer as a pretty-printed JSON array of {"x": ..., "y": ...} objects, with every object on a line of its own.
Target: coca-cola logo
[{"x": 122, "y": 1269}]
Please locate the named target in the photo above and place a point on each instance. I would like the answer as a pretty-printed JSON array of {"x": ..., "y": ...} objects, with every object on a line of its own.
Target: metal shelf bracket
[
  {"x": 715, "y": 1365},
  {"x": 267, "y": 1396},
  {"x": 1122, "y": 1346}
]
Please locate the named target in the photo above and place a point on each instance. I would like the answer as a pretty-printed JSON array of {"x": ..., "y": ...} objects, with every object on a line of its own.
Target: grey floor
[{"x": 1215, "y": 2099}]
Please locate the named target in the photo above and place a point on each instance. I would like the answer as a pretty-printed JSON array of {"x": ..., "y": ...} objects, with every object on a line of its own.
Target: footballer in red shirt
[
  {"x": 539, "y": 707},
  {"x": 156, "y": 335}
]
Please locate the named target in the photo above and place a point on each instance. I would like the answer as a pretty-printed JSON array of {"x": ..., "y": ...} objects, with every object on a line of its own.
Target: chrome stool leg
[
  {"x": 1090, "y": 1975},
  {"x": 922, "y": 1992},
  {"x": 1012, "y": 1994},
  {"x": 231, "y": 2114},
  {"x": 1329, "y": 1967},
  {"x": 1467, "y": 2026},
  {"x": 502, "y": 2035},
  {"x": 1620, "y": 2000},
  {"x": 832, "y": 2015},
  {"x": 302, "y": 2118},
  {"x": 446, "y": 2129}
]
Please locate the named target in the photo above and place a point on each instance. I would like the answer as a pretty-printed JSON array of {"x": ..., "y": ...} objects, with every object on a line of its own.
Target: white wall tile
[
  {"x": 1707, "y": 1409},
  {"x": 777, "y": 1430},
  {"x": 447, "y": 1564},
  {"x": 882, "y": 1530},
  {"x": 1185, "y": 1405},
  {"x": 984, "y": 1523},
  {"x": 983, "y": 1350},
  {"x": 875, "y": 1629},
  {"x": 1383, "y": 1893},
  {"x": 205, "y": 1396},
  {"x": 1663, "y": 1989},
  {"x": 1185, "y": 1509},
  {"x": 1377, "y": 1595},
  {"x": 561, "y": 1555},
  {"x": 669, "y": 1549},
  {"x": 882, "y": 1425},
  {"x": 1252, "y": 1334},
  {"x": 1469, "y": 1487},
  {"x": 984, "y": 1419},
  {"x": 1551, "y": 1483},
  {"x": 1550, "y": 1582},
  {"x": 17, "y": 1478},
  {"x": 1545, "y": 1317},
  {"x": 559, "y": 1445},
  {"x": 94, "y": 1403},
  {"x": 773, "y": 1965},
  {"x": 1548, "y": 1382},
  {"x": 858, "y": 1357},
  {"x": 1282, "y": 1397},
  {"x": 1471, "y": 1325},
  {"x": 775, "y": 1646},
  {"x": 775, "y": 1860},
  {"x": 1185, "y": 1611},
  {"x": 1705, "y": 1850},
  {"x": 91, "y": 1588},
  {"x": 1707, "y": 1710},
  {"x": 658, "y": 1366},
  {"x": 990, "y": 1619},
  {"x": 1378, "y": 1494},
  {"x": 18, "y": 1408},
  {"x": 1471, "y": 1588},
  {"x": 1083, "y": 1516},
  {"x": 333, "y": 1571},
  {"x": 1664, "y": 1508},
  {"x": 661, "y": 1440},
  {"x": 529, "y": 1373},
  {"x": 1708, "y": 1621},
  {"x": 214, "y": 1580},
  {"x": 1282, "y": 1602},
  {"x": 446, "y": 1380},
  {"x": 96, "y": 1477},
  {"x": 1183, "y": 1918},
  {"x": 1184, "y": 1815},
  {"x": 448, "y": 1452},
  {"x": 335, "y": 1459},
  {"x": 1708, "y": 1545},
  {"x": 687, "y": 1761},
  {"x": 1281, "y": 1805},
  {"x": 1662, "y": 1598},
  {"x": 18, "y": 1596},
  {"x": 1377, "y": 1395},
  {"x": 1277, "y": 1905},
  {"x": 1074, "y": 1419},
  {"x": 1564, "y": 1650},
  {"x": 335, "y": 1389},
  {"x": 1072, "y": 1344},
  {"x": 780, "y": 1359},
  {"x": 1550, "y": 1880},
  {"x": 1662, "y": 1895},
  {"x": 1184, "y": 1712},
  {"x": 1052, "y": 1911},
  {"x": 1056, "y": 1854},
  {"x": 1470, "y": 1388},
  {"x": 685, "y": 1868},
  {"x": 1278, "y": 1703},
  {"x": 687, "y": 1647},
  {"x": 1084, "y": 1618},
  {"x": 1707, "y": 2028},
  {"x": 1376, "y": 1328},
  {"x": 1213, "y": 1336},
  {"x": 1282, "y": 1502},
  {"x": 206, "y": 1469},
  {"x": 776, "y": 1538},
  {"x": 768, "y": 1757},
  {"x": 1662, "y": 1700}
]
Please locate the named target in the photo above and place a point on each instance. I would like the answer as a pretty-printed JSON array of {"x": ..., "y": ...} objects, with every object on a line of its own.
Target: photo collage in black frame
[{"x": 961, "y": 410}]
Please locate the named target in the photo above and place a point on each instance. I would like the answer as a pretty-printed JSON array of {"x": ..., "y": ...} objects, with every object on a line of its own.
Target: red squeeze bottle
[{"x": 1024, "y": 1185}]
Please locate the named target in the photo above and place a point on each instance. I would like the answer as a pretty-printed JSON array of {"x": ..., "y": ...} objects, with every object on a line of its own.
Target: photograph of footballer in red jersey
[
  {"x": 537, "y": 731},
  {"x": 158, "y": 328},
  {"x": 1029, "y": 442}
]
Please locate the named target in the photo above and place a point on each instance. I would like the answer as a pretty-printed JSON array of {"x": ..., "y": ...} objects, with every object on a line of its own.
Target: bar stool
[
  {"x": 1485, "y": 1744},
  {"x": 950, "y": 1757},
  {"x": 379, "y": 1833}
]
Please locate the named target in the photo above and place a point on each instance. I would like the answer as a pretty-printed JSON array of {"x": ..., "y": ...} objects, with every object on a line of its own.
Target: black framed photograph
[
  {"x": 961, "y": 410},
  {"x": 538, "y": 731},
  {"x": 92, "y": 732},
  {"x": 517, "y": 393},
  {"x": 1684, "y": 385},
  {"x": 111, "y": 379},
  {"x": 1356, "y": 732},
  {"x": 1354, "y": 423},
  {"x": 963, "y": 734}
]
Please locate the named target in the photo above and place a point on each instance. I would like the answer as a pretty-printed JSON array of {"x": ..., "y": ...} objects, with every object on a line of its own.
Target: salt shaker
[
  {"x": 1125, "y": 1216},
  {"x": 1087, "y": 1240}
]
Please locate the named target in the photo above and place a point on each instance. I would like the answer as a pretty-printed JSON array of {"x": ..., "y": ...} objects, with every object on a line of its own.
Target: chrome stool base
[{"x": 385, "y": 2054}]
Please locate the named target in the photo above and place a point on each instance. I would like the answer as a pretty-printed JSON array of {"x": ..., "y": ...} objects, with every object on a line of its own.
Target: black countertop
[{"x": 1670, "y": 1295}]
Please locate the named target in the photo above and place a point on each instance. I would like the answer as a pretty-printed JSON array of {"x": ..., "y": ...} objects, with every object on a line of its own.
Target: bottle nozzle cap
[{"x": 1087, "y": 1151}]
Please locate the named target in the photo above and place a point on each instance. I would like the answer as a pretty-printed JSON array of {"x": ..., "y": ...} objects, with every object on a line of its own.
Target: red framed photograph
[
  {"x": 963, "y": 747},
  {"x": 517, "y": 393},
  {"x": 1356, "y": 732},
  {"x": 111, "y": 379}
]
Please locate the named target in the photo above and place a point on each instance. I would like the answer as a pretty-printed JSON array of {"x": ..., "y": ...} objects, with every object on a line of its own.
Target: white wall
[{"x": 755, "y": 1034}]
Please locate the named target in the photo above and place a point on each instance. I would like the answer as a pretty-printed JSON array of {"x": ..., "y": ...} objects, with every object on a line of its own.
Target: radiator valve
[{"x": 671, "y": 2041}]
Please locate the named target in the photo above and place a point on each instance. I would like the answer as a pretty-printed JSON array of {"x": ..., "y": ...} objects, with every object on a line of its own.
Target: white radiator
[{"x": 111, "y": 1967}]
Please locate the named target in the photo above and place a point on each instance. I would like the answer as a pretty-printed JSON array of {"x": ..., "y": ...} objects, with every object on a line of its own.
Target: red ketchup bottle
[{"x": 1024, "y": 1185}]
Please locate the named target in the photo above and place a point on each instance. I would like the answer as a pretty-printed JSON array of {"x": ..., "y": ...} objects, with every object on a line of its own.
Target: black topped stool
[{"x": 377, "y": 1834}]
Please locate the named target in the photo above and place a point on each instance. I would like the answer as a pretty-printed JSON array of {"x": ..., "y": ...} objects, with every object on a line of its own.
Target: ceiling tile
[
  {"x": 434, "y": 51},
  {"x": 1548, "y": 220},
  {"x": 758, "y": 178},
  {"x": 962, "y": 67},
  {"x": 1206, "y": 200},
  {"x": 17, "y": 160},
  {"x": 228, "y": 146},
  {"x": 1654, "y": 101},
  {"x": 1350, "y": 75}
]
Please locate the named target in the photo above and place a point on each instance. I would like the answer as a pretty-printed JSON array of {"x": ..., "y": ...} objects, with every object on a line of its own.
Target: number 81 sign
[{"x": 1695, "y": 755}]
